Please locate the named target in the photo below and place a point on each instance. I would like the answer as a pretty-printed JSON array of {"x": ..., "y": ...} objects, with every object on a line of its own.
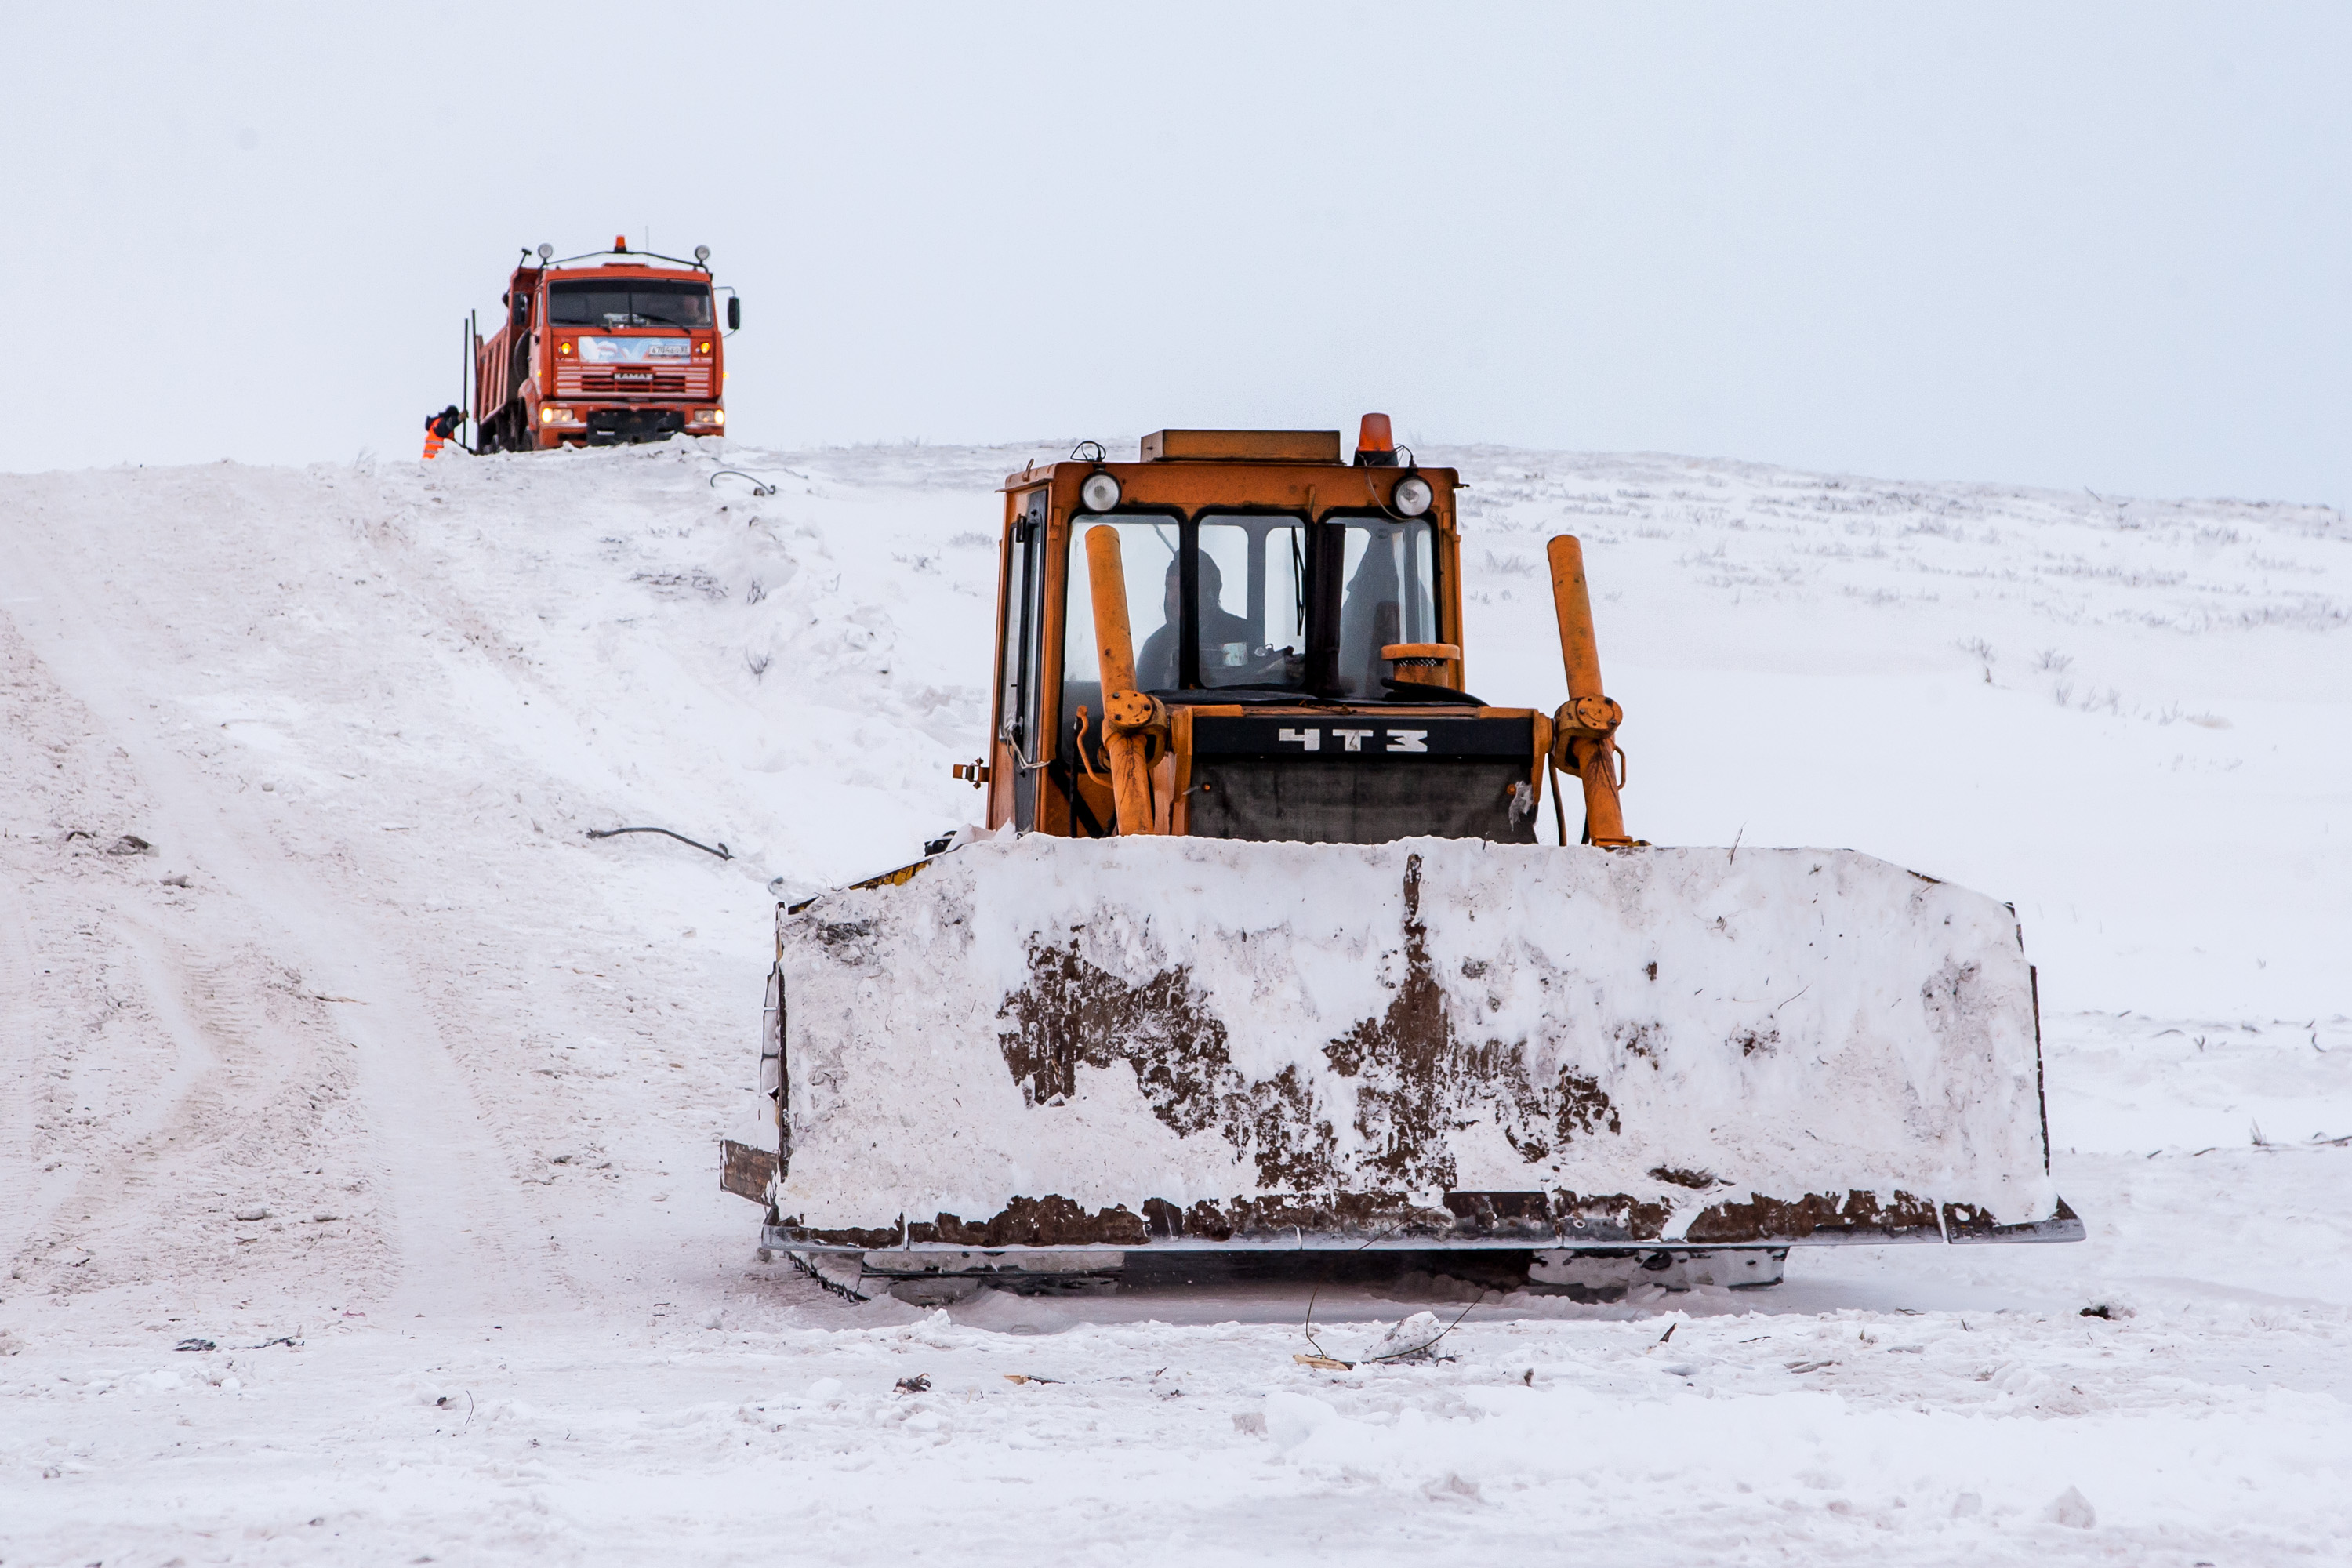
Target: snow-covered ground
[{"x": 460, "y": 1070}]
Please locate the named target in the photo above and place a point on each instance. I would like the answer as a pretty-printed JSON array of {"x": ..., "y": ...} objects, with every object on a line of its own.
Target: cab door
[{"x": 1021, "y": 748}]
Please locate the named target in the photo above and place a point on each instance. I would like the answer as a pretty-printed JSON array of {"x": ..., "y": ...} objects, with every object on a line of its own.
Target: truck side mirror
[
  {"x": 523, "y": 310},
  {"x": 734, "y": 312}
]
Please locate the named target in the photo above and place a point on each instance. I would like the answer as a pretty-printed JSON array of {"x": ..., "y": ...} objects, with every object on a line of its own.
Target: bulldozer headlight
[
  {"x": 1100, "y": 492},
  {"x": 1414, "y": 495}
]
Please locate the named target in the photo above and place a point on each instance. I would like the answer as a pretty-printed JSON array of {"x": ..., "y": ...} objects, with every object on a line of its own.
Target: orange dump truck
[{"x": 598, "y": 352}]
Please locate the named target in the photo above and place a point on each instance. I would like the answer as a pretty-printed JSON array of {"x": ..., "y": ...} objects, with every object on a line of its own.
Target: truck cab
[{"x": 618, "y": 350}]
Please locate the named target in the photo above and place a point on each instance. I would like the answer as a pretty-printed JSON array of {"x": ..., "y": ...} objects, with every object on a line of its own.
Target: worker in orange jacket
[{"x": 440, "y": 428}]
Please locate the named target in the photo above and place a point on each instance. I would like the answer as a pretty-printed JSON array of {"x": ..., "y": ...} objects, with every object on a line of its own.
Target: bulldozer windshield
[
  {"x": 629, "y": 302},
  {"x": 1253, "y": 627},
  {"x": 1250, "y": 596},
  {"x": 1148, "y": 548}
]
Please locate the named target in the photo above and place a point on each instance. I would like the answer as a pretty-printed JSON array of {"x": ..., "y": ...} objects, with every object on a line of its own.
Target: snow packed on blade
[{"x": 1204, "y": 1038}]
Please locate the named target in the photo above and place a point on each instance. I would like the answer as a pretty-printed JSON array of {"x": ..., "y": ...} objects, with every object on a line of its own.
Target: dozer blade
[{"x": 1169, "y": 1043}]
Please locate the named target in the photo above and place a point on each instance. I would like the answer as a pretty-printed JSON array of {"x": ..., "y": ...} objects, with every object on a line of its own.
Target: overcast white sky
[{"x": 2075, "y": 245}]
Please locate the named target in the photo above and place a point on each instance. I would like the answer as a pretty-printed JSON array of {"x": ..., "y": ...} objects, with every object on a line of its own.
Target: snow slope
[{"x": 371, "y": 983}]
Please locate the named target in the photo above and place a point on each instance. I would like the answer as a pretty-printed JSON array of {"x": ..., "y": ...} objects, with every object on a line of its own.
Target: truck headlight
[
  {"x": 707, "y": 416},
  {"x": 1100, "y": 492},
  {"x": 1412, "y": 495},
  {"x": 556, "y": 414}
]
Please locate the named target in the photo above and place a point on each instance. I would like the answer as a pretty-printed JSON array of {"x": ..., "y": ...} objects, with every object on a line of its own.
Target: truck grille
[{"x": 579, "y": 381}]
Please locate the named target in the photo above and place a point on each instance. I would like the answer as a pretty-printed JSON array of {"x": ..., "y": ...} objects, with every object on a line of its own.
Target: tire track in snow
[
  {"x": 69, "y": 1036},
  {"x": 155, "y": 1054},
  {"x": 453, "y": 1227},
  {"x": 22, "y": 1027}
]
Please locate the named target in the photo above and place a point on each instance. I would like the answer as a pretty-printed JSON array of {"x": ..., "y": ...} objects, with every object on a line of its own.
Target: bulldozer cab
[{"x": 1293, "y": 631}]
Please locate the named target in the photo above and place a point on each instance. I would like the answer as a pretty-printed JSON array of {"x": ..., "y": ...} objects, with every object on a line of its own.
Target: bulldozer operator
[{"x": 1226, "y": 639}]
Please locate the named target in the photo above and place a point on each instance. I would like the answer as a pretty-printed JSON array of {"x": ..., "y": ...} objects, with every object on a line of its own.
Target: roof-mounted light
[
  {"x": 702, "y": 253},
  {"x": 545, "y": 252},
  {"x": 1375, "y": 447},
  {"x": 620, "y": 244},
  {"x": 1100, "y": 491},
  {"x": 1412, "y": 494}
]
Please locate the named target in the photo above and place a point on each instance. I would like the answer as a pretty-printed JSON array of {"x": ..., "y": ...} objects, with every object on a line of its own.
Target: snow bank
[
  {"x": 1194, "y": 1020},
  {"x": 402, "y": 988}
]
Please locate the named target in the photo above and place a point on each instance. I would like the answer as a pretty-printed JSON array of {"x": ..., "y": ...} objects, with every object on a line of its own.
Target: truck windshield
[{"x": 629, "y": 302}]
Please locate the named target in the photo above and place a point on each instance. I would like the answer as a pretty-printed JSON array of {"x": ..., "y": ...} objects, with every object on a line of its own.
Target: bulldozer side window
[
  {"x": 1017, "y": 703},
  {"x": 1019, "y": 663},
  {"x": 1250, "y": 601},
  {"x": 1148, "y": 553},
  {"x": 1389, "y": 595}
]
